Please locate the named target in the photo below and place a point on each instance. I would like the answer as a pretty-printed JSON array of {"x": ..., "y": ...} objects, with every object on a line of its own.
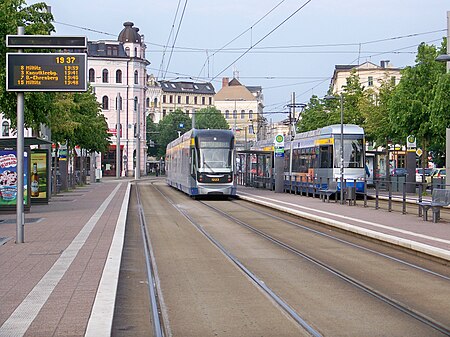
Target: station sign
[
  {"x": 279, "y": 140},
  {"x": 46, "y": 72},
  {"x": 46, "y": 41}
]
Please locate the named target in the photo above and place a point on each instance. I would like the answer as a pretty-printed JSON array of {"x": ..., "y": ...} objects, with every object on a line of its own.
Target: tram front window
[
  {"x": 353, "y": 153},
  {"x": 215, "y": 158}
]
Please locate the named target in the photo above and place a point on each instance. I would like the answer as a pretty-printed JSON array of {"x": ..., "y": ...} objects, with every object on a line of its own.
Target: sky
[{"x": 284, "y": 46}]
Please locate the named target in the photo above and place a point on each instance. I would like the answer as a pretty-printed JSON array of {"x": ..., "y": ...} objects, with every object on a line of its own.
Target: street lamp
[{"x": 341, "y": 154}]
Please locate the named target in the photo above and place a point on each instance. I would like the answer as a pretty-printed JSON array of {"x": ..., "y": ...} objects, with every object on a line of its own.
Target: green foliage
[
  {"x": 36, "y": 20},
  {"x": 414, "y": 105},
  {"x": 168, "y": 129},
  {"x": 210, "y": 118},
  {"x": 152, "y": 135}
]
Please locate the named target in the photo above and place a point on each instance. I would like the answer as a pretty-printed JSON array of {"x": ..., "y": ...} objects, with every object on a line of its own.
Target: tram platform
[
  {"x": 61, "y": 281},
  {"x": 407, "y": 230}
]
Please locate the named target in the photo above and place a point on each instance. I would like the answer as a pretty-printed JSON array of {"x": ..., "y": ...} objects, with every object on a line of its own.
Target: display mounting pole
[{"x": 20, "y": 159}]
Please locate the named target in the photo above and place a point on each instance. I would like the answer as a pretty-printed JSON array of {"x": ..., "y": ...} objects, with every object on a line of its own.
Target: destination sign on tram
[{"x": 46, "y": 72}]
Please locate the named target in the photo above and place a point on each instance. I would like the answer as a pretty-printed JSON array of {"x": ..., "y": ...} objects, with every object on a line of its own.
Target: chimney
[{"x": 224, "y": 82}]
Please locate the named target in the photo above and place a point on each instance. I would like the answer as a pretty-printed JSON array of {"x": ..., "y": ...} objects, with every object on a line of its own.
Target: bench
[
  {"x": 439, "y": 198},
  {"x": 329, "y": 190}
]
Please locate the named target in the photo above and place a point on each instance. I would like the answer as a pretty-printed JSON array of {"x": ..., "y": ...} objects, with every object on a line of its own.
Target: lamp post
[{"x": 341, "y": 147}]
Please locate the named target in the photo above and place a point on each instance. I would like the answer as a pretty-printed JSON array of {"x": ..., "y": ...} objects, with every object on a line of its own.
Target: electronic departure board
[
  {"x": 46, "y": 72},
  {"x": 46, "y": 41}
]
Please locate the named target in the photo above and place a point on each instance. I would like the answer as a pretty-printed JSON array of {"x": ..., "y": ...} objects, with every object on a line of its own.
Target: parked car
[
  {"x": 399, "y": 172},
  {"x": 436, "y": 175},
  {"x": 420, "y": 173}
]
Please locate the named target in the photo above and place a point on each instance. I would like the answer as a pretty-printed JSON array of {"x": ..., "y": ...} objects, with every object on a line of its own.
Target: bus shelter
[{"x": 255, "y": 168}]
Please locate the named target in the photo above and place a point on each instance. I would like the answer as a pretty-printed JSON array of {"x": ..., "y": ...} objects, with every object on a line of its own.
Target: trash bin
[
  {"x": 98, "y": 175},
  {"x": 350, "y": 194}
]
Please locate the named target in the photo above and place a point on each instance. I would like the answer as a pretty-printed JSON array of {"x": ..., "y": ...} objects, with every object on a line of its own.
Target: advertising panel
[
  {"x": 8, "y": 179},
  {"x": 39, "y": 176}
]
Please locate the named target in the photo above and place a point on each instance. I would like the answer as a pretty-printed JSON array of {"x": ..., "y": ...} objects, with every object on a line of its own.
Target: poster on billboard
[
  {"x": 8, "y": 179},
  {"x": 39, "y": 176}
]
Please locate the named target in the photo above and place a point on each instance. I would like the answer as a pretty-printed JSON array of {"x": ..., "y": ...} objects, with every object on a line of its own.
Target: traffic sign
[
  {"x": 46, "y": 72},
  {"x": 46, "y": 41},
  {"x": 279, "y": 141}
]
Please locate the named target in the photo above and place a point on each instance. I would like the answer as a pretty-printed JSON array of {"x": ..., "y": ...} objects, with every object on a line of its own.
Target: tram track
[
  {"x": 152, "y": 274},
  {"x": 309, "y": 328},
  {"x": 360, "y": 285},
  {"x": 232, "y": 211}
]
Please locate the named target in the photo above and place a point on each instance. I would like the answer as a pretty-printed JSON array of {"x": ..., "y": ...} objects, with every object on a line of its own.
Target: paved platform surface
[
  {"x": 62, "y": 280},
  {"x": 52, "y": 284},
  {"x": 407, "y": 230}
]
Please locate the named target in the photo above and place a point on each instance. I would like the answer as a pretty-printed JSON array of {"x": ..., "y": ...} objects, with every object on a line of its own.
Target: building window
[
  {"x": 155, "y": 102},
  {"x": 127, "y": 51},
  {"x": 187, "y": 99},
  {"x": 5, "y": 129},
  {"x": 105, "y": 103},
  {"x": 234, "y": 114},
  {"x": 250, "y": 114},
  {"x": 164, "y": 99},
  {"x": 227, "y": 114},
  {"x": 370, "y": 81},
  {"x": 170, "y": 99},
  {"x": 210, "y": 100},
  {"x": 91, "y": 75},
  {"x": 105, "y": 76},
  {"x": 135, "y": 103},
  {"x": 147, "y": 102},
  {"x": 164, "y": 113},
  {"x": 179, "y": 100},
  {"x": 135, "y": 52},
  {"x": 118, "y": 76},
  {"x": 242, "y": 114},
  {"x": 203, "y": 100},
  {"x": 136, "y": 77},
  {"x": 195, "y": 100}
]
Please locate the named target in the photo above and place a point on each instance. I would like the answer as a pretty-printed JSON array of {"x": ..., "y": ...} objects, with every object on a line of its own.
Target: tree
[
  {"x": 169, "y": 127},
  {"x": 36, "y": 20},
  {"x": 414, "y": 98},
  {"x": 152, "y": 135},
  {"x": 315, "y": 115},
  {"x": 210, "y": 118}
]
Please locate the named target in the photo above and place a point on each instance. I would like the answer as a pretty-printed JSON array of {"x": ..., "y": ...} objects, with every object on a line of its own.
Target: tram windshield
[
  {"x": 215, "y": 158},
  {"x": 353, "y": 153}
]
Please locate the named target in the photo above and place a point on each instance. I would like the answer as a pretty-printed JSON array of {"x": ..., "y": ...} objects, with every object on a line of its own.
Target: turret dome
[{"x": 129, "y": 33}]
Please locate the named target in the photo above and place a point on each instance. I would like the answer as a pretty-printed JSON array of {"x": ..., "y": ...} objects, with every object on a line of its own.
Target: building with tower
[{"x": 118, "y": 69}]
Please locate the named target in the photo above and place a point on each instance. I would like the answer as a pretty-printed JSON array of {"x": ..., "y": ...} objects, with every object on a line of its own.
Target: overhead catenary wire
[
  {"x": 161, "y": 67},
  {"x": 237, "y": 37},
  {"x": 176, "y": 36},
  {"x": 263, "y": 38}
]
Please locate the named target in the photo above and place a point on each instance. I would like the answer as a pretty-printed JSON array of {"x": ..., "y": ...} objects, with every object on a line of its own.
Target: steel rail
[
  {"x": 422, "y": 318},
  {"x": 157, "y": 319},
  {"x": 313, "y": 332},
  {"x": 425, "y": 270}
]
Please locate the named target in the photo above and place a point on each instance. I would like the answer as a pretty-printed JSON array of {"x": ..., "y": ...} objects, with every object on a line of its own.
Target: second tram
[
  {"x": 202, "y": 162},
  {"x": 314, "y": 157}
]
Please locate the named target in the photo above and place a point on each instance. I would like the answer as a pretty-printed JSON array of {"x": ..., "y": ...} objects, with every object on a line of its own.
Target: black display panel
[
  {"x": 46, "y": 41},
  {"x": 46, "y": 72}
]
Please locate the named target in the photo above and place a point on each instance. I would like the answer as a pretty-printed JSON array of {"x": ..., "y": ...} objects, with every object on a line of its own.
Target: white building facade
[
  {"x": 119, "y": 68},
  {"x": 242, "y": 108}
]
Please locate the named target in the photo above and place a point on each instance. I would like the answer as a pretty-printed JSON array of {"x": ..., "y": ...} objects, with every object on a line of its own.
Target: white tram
[
  {"x": 316, "y": 155},
  {"x": 202, "y": 162}
]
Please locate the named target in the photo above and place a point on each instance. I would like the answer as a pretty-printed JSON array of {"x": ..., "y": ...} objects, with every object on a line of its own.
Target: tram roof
[{"x": 351, "y": 129}]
